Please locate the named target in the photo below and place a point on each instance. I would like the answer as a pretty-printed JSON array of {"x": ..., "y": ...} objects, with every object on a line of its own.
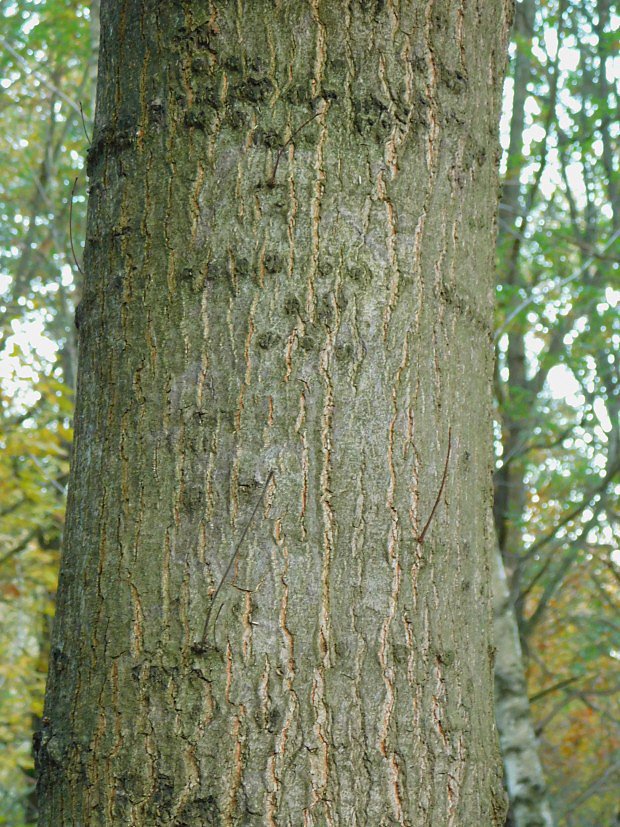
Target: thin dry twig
[
  {"x": 272, "y": 180},
  {"x": 88, "y": 138},
  {"x": 231, "y": 562},
  {"x": 77, "y": 264},
  {"x": 441, "y": 487}
]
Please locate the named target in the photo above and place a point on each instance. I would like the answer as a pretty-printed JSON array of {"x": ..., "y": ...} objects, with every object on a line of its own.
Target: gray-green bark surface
[{"x": 332, "y": 323}]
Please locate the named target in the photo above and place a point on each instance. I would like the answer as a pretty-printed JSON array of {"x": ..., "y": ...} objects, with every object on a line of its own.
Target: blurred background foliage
[
  {"x": 557, "y": 384},
  {"x": 557, "y": 377},
  {"x": 47, "y": 81}
]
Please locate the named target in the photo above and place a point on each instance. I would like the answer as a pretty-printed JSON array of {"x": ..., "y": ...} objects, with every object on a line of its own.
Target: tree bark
[
  {"x": 289, "y": 269},
  {"x": 525, "y": 782}
]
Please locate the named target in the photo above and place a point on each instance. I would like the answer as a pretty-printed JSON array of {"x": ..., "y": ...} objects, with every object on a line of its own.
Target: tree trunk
[
  {"x": 525, "y": 782},
  {"x": 289, "y": 269}
]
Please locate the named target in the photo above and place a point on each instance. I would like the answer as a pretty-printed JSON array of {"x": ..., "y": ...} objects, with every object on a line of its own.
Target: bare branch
[{"x": 39, "y": 75}]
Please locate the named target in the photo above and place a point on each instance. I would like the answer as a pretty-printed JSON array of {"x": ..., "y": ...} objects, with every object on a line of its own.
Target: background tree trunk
[
  {"x": 289, "y": 268},
  {"x": 525, "y": 782}
]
